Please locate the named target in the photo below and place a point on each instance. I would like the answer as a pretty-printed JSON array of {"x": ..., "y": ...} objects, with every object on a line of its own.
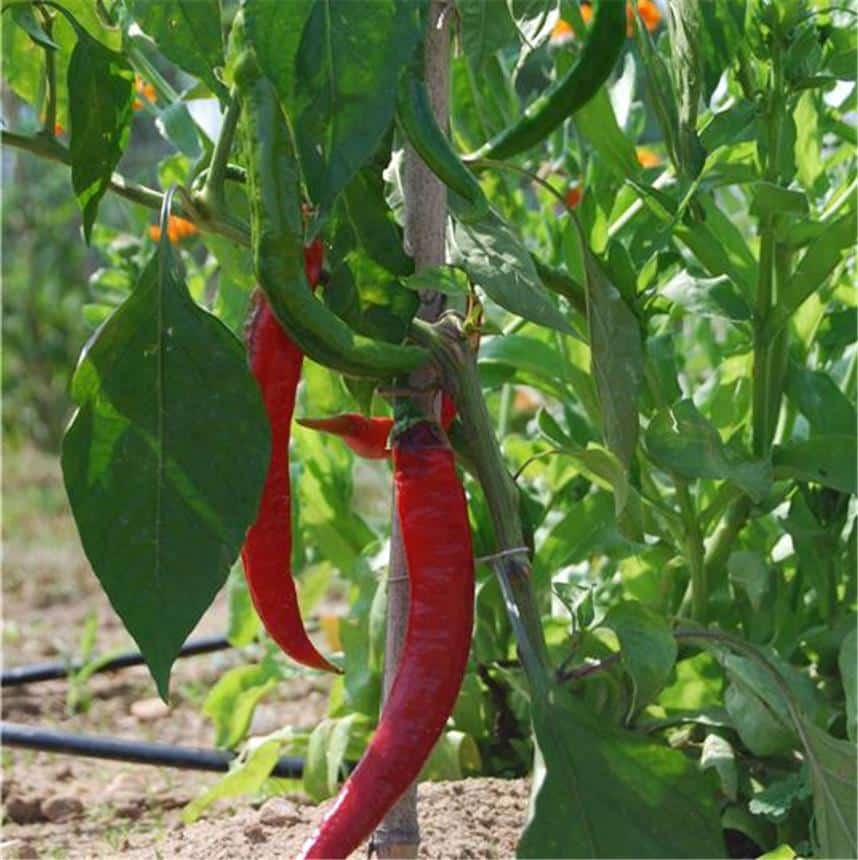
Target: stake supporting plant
[{"x": 425, "y": 199}]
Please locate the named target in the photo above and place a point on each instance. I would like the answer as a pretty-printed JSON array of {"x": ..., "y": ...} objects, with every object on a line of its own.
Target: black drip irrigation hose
[
  {"x": 62, "y": 669},
  {"x": 138, "y": 752}
]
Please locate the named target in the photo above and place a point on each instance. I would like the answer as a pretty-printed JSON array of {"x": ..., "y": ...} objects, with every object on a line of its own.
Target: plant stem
[
  {"x": 52, "y": 150},
  {"x": 147, "y": 70},
  {"x": 50, "y": 121},
  {"x": 503, "y": 412},
  {"x": 768, "y": 351},
  {"x": 425, "y": 200},
  {"x": 212, "y": 193},
  {"x": 450, "y": 348},
  {"x": 694, "y": 552}
]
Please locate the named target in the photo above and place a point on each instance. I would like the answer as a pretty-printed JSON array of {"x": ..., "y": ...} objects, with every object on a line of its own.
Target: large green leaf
[
  {"x": 275, "y": 30},
  {"x": 164, "y": 460},
  {"x": 833, "y": 767},
  {"x": 820, "y": 400},
  {"x": 368, "y": 259},
  {"x": 826, "y": 459},
  {"x": 681, "y": 440},
  {"x": 337, "y": 81},
  {"x": 647, "y": 647},
  {"x": 187, "y": 32},
  {"x": 819, "y": 260},
  {"x": 617, "y": 360},
  {"x": 586, "y": 773},
  {"x": 495, "y": 259},
  {"x": 100, "y": 86}
]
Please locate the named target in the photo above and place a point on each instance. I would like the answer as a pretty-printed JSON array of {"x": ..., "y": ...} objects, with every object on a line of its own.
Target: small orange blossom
[{"x": 177, "y": 230}]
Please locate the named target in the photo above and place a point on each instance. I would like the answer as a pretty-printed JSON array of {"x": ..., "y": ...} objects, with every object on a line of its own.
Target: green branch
[
  {"x": 51, "y": 149},
  {"x": 449, "y": 345}
]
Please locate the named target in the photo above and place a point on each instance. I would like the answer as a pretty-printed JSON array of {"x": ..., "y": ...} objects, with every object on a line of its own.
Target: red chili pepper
[
  {"x": 367, "y": 437},
  {"x": 433, "y": 516},
  {"x": 267, "y": 551}
]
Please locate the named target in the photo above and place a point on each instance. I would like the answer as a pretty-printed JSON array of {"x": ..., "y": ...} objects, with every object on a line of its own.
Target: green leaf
[
  {"x": 233, "y": 699},
  {"x": 492, "y": 254},
  {"x": 24, "y": 16},
  {"x": 818, "y": 262},
  {"x": 586, "y": 770},
  {"x": 808, "y": 141},
  {"x": 817, "y": 396},
  {"x": 485, "y": 26},
  {"x": 827, "y": 459},
  {"x": 720, "y": 247},
  {"x": 647, "y": 646},
  {"x": 244, "y": 623},
  {"x": 748, "y": 570},
  {"x": 188, "y": 33},
  {"x": 778, "y": 797},
  {"x": 366, "y": 246},
  {"x": 338, "y": 90},
  {"x": 681, "y": 440},
  {"x": 770, "y": 200},
  {"x": 718, "y": 754},
  {"x": 179, "y": 471},
  {"x": 598, "y": 124},
  {"x": 782, "y": 852},
  {"x": 100, "y": 86},
  {"x": 246, "y": 775},
  {"x": 617, "y": 360},
  {"x": 275, "y": 29},
  {"x": 717, "y": 297},
  {"x": 833, "y": 767},
  {"x": 757, "y": 706},
  {"x": 846, "y": 662},
  {"x": 455, "y": 756},
  {"x": 316, "y": 764},
  {"x": 450, "y": 280},
  {"x": 326, "y": 754},
  {"x": 699, "y": 685}
]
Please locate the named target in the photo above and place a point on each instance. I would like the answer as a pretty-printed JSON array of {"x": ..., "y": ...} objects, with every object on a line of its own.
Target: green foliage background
[{"x": 670, "y": 365}]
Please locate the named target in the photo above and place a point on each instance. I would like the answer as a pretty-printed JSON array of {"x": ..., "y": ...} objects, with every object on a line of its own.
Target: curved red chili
[
  {"x": 433, "y": 516},
  {"x": 267, "y": 552},
  {"x": 367, "y": 437}
]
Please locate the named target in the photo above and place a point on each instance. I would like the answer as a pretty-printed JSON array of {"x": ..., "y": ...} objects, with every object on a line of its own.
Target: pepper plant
[{"x": 648, "y": 339}]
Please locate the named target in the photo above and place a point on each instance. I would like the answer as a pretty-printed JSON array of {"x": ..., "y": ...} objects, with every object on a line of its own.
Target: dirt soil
[{"x": 65, "y": 806}]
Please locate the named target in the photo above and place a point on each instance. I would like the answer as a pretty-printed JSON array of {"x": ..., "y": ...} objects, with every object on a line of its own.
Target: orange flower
[
  {"x": 58, "y": 130},
  {"x": 563, "y": 32},
  {"x": 177, "y": 229},
  {"x": 647, "y": 157},
  {"x": 525, "y": 401},
  {"x": 573, "y": 196},
  {"x": 144, "y": 89},
  {"x": 650, "y": 15}
]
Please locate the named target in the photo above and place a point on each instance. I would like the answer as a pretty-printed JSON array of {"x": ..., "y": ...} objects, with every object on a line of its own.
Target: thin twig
[
  {"x": 52, "y": 150},
  {"x": 588, "y": 669}
]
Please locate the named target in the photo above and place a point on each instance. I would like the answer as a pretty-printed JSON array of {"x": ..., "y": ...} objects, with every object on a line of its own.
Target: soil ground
[{"x": 61, "y": 806}]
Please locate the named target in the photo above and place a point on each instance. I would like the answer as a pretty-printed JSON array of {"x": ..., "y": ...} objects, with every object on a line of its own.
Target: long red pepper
[
  {"x": 433, "y": 517},
  {"x": 367, "y": 437},
  {"x": 267, "y": 552}
]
